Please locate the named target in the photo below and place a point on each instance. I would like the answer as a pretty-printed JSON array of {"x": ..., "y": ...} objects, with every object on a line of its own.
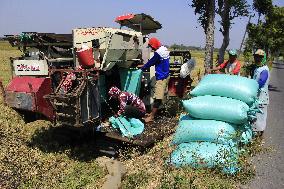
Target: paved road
[{"x": 270, "y": 166}]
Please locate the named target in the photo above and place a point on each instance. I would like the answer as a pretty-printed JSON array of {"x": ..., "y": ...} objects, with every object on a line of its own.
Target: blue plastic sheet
[
  {"x": 218, "y": 108},
  {"x": 130, "y": 80},
  {"x": 204, "y": 130},
  {"x": 206, "y": 155},
  {"x": 236, "y": 87},
  {"x": 128, "y": 127}
]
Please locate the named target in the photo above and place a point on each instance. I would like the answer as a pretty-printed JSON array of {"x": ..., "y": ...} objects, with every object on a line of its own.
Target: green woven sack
[
  {"x": 206, "y": 155},
  {"x": 192, "y": 130},
  {"x": 204, "y": 130},
  {"x": 236, "y": 87},
  {"x": 219, "y": 108},
  {"x": 127, "y": 127},
  {"x": 130, "y": 80}
]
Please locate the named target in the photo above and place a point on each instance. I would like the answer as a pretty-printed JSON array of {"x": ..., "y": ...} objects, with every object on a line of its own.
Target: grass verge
[{"x": 23, "y": 165}]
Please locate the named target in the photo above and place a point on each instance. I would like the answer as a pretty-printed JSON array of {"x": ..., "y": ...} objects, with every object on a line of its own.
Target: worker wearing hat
[
  {"x": 161, "y": 61},
  {"x": 261, "y": 75},
  {"x": 130, "y": 105},
  {"x": 231, "y": 66}
]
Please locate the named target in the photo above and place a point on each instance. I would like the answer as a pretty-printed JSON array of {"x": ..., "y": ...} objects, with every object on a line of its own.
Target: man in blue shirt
[{"x": 161, "y": 61}]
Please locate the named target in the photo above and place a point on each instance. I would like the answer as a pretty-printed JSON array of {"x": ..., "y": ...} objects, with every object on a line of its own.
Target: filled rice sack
[
  {"x": 206, "y": 155},
  {"x": 204, "y": 130},
  {"x": 232, "y": 86},
  {"x": 218, "y": 108}
]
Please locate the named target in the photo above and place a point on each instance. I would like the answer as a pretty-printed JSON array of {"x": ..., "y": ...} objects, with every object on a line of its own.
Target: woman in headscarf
[
  {"x": 261, "y": 75},
  {"x": 130, "y": 105}
]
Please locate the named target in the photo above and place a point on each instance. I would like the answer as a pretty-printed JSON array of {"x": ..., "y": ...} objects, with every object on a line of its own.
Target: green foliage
[
  {"x": 262, "y": 7},
  {"x": 201, "y": 7},
  {"x": 268, "y": 35},
  {"x": 235, "y": 8},
  {"x": 229, "y": 10},
  {"x": 183, "y": 47}
]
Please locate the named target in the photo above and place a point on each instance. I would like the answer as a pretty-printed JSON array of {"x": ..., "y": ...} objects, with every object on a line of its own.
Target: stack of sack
[{"x": 218, "y": 120}]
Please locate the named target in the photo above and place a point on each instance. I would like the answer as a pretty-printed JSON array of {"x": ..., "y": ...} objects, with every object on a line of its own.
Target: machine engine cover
[{"x": 27, "y": 93}]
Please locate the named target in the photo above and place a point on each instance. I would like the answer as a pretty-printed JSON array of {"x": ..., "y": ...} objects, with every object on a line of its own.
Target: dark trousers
[{"x": 133, "y": 112}]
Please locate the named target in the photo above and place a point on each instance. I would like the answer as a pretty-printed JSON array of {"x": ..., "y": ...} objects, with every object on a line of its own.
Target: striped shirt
[{"x": 126, "y": 98}]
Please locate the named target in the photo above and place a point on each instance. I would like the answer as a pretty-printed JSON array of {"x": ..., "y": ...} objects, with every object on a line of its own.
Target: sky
[{"x": 179, "y": 22}]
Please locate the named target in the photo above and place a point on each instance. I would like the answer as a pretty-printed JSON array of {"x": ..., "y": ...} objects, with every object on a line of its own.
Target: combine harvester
[{"x": 108, "y": 56}]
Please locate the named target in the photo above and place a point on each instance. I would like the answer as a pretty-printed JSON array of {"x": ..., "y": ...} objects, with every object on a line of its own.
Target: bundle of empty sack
[{"x": 218, "y": 120}]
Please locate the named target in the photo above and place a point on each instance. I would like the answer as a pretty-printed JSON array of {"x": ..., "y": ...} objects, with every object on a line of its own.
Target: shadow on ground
[
  {"x": 79, "y": 144},
  {"x": 85, "y": 143},
  {"x": 278, "y": 63},
  {"x": 273, "y": 88},
  {"x": 278, "y": 67}
]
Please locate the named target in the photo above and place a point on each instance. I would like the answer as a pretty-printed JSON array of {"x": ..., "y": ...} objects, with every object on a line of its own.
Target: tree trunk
[
  {"x": 209, "y": 47},
  {"x": 225, "y": 22},
  {"x": 224, "y": 46},
  {"x": 240, "y": 49}
]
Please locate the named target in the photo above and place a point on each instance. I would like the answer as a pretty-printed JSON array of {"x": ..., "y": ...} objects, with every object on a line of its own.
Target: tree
[
  {"x": 268, "y": 35},
  {"x": 206, "y": 11},
  {"x": 262, "y": 7},
  {"x": 274, "y": 28},
  {"x": 229, "y": 10}
]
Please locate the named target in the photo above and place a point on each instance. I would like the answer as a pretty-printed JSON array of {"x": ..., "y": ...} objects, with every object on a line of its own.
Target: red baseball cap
[{"x": 154, "y": 43}]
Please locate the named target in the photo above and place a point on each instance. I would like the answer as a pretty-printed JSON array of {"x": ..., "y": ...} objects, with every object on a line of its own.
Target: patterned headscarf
[
  {"x": 262, "y": 53},
  {"x": 114, "y": 92},
  {"x": 263, "y": 62}
]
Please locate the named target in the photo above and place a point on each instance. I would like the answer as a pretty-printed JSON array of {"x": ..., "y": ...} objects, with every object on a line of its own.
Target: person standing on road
[
  {"x": 231, "y": 66},
  {"x": 161, "y": 61},
  {"x": 261, "y": 75}
]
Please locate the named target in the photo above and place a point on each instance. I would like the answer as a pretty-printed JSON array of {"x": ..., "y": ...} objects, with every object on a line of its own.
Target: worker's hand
[
  {"x": 119, "y": 113},
  {"x": 139, "y": 66},
  {"x": 209, "y": 71}
]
